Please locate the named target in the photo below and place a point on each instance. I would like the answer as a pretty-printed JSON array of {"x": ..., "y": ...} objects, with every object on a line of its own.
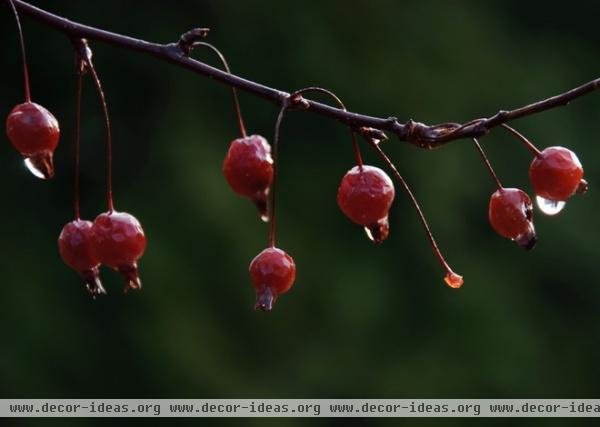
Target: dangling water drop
[
  {"x": 550, "y": 207},
  {"x": 41, "y": 165},
  {"x": 378, "y": 231},
  {"x": 453, "y": 280},
  {"x": 34, "y": 171}
]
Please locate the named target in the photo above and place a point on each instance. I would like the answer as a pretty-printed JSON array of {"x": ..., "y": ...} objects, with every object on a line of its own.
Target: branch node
[
  {"x": 188, "y": 40},
  {"x": 376, "y": 135},
  {"x": 418, "y": 133},
  {"x": 500, "y": 117},
  {"x": 84, "y": 54},
  {"x": 296, "y": 100}
]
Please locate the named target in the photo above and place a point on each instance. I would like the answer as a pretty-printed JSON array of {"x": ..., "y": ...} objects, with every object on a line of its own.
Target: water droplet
[
  {"x": 40, "y": 165},
  {"x": 550, "y": 207},
  {"x": 35, "y": 172},
  {"x": 379, "y": 231},
  {"x": 453, "y": 280}
]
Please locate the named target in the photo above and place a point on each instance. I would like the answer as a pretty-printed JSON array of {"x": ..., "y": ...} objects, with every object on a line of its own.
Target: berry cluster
[
  {"x": 115, "y": 239},
  {"x": 365, "y": 194},
  {"x": 555, "y": 173}
]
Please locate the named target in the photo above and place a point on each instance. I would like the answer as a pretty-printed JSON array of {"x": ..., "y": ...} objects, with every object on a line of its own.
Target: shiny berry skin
[
  {"x": 556, "y": 173},
  {"x": 119, "y": 242},
  {"x": 365, "y": 195},
  {"x": 248, "y": 168},
  {"x": 34, "y": 132},
  {"x": 272, "y": 273},
  {"x": 76, "y": 248},
  {"x": 511, "y": 215}
]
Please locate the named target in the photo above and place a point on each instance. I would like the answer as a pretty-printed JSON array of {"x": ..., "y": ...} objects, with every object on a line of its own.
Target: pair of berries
[
  {"x": 556, "y": 174},
  {"x": 34, "y": 132},
  {"x": 114, "y": 239},
  {"x": 248, "y": 168}
]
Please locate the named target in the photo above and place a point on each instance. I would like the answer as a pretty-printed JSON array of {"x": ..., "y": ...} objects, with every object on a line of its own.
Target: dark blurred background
[{"x": 362, "y": 320}]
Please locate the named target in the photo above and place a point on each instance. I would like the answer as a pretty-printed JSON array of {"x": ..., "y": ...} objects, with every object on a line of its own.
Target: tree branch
[{"x": 416, "y": 133}]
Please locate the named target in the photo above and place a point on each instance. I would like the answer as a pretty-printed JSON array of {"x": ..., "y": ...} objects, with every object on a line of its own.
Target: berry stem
[
  {"x": 86, "y": 52},
  {"x": 23, "y": 55},
  {"x": 236, "y": 101},
  {"x": 524, "y": 140},
  {"x": 355, "y": 145},
  {"x": 76, "y": 197},
  {"x": 415, "y": 203},
  {"x": 487, "y": 164},
  {"x": 275, "y": 155}
]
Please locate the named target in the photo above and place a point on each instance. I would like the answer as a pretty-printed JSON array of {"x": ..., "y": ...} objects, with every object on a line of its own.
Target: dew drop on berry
[
  {"x": 453, "y": 280},
  {"x": 41, "y": 165},
  {"x": 264, "y": 217},
  {"x": 378, "y": 231},
  {"x": 550, "y": 207},
  {"x": 34, "y": 171}
]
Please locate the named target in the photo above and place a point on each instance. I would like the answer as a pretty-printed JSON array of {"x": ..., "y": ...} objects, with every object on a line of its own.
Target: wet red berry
[
  {"x": 248, "y": 168},
  {"x": 365, "y": 196},
  {"x": 76, "y": 247},
  {"x": 511, "y": 215},
  {"x": 556, "y": 174},
  {"x": 119, "y": 241},
  {"x": 272, "y": 273},
  {"x": 34, "y": 132}
]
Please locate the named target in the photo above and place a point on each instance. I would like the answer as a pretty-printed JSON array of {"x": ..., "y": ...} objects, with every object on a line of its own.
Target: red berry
[
  {"x": 34, "y": 132},
  {"x": 556, "y": 174},
  {"x": 76, "y": 247},
  {"x": 119, "y": 241},
  {"x": 248, "y": 168},
  {"x": 272, "y": 273},
  {"x": 365, "y": 196},
  {"x": 511, "y": 215}
]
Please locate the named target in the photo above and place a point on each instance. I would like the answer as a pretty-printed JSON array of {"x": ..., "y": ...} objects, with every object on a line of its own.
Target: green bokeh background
[{"x": 362, "y": 320}]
